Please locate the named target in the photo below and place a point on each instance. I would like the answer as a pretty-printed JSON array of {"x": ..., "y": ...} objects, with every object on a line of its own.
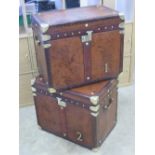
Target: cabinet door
[
  {"x": 24, "y": 57},
  {"x": 105, "y": 54}
]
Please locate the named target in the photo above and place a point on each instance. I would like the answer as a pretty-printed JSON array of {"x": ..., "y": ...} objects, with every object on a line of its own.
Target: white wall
[{"x": 127, "y": 7}]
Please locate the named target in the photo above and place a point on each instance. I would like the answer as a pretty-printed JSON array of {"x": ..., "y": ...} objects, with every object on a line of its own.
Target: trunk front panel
[
  {"x": 105, "y": 54},
  {"x": 66, "y": 57},
  {"x": 80, "y": 126},
  {"x": 48, "y": 114}
]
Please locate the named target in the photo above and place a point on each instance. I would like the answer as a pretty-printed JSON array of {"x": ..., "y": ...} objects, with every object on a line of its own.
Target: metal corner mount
[
  {"x": 94, "y": 114},
  {"x": 121, "y": 25},
  {"x": 95, "y": 108},
  {"x": 32, "y": 81},
  {"x": 44, "y": 27},
  {"x": 121, "y": 15},
  {"x": 46, "y": 37},
  {"x": 51, "y": 90},
  {"x": 94, "y": 100},
  {"x": 46, "y": 45},
  {"x": 33, "y": 89}
]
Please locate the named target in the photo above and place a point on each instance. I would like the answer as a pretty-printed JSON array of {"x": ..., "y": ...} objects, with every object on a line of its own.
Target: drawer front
[
  {"x": 25, "y": 93},
  {"x": 24, "y": 57},
  {"x": 127, "y": 39}
]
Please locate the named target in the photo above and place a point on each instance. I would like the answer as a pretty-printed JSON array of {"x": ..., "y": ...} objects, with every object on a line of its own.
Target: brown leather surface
[
  {"x": 73, "y": 119},
  {"x": 105, "y": 50},
  {"x": 66, "y": 57},
  {"x": 107, "y": 118},
  {"x": 75, "y": 15},
  {"x": 48, "y": 114},
  {"x": 79, "y": 120}
]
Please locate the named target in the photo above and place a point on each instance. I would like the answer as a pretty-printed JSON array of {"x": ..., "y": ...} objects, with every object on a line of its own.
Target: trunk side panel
[{"x": 105, "y": 50}]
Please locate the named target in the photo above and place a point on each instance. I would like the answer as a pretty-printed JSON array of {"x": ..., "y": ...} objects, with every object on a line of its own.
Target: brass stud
[
  {"x": 87, "y": 43},
  {"x": 86, "y": 25},
  {"x": 88, "y": 78}
]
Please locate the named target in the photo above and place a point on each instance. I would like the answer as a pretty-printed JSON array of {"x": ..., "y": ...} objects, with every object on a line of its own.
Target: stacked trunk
[{"x": 79, "y": 54}]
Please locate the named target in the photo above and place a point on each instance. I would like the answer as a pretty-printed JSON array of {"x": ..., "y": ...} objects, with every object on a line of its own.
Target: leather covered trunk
[
  {"x": 78, "y": 46},
  {"x": 83, "y": 115}
]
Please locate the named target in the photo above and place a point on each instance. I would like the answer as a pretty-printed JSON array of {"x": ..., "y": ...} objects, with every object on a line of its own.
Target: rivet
[
  {"x": 65, "y": 34},
  {"x": 112, "y": 26},
  {"x": 64, "y": 134},
  {"x": 83, "y": 105},
  {"x": 86, "y": 25},
  {"x": 61, "y": 93},
  {"x": 79, "y": 32},
  {"x": 88, "y": 78},
  {"x": 99, "y": 28},
  {"x": 87, "y": 43},
  {"x": 105, "y": 27},
  {"x": 72, "y": 33},
  {"x": 58, "y": 36},
  {"x": 108, "y": 90},
  {"x": 40, "y": 79},
  {"x": 92, "y": 93}
]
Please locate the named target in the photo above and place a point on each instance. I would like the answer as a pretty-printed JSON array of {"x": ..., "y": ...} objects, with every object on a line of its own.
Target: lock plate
[{"x": 87, "y": 37}]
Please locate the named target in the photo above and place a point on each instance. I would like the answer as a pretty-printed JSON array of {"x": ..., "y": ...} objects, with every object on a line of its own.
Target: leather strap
[
  {"x": 87, "y": 60},
  {"x": 63, "y": 124}
]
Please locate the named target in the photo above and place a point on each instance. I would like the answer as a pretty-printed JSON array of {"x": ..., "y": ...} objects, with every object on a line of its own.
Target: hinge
[{"x": 87, "y": 37}]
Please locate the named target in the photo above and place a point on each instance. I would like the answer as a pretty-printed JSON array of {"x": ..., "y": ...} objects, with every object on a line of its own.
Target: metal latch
[
  {"x": 87, "y": 37},
  {"x": 61, "y": 103}
]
